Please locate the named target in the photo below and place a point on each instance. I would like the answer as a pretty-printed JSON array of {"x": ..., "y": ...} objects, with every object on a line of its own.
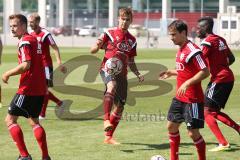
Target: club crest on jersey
[
  {"x": 39, "y": 39},
  {"x": 179, "y": 66},
  {"x": 182, "y": 56},
  {"x": 117, "y": 38},
  {"x": 222, "y": 46}
]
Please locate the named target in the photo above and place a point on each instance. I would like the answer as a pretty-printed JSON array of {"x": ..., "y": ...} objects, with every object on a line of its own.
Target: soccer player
[
  {"x": 187, "y": 106},
  {"x": 1, "y": 46},
  {"x": 32, "y": 87},
  {"x": 45, "y": 40},
  {"x": 219, "y": 57},
  {"x": 119, "y": 43}
]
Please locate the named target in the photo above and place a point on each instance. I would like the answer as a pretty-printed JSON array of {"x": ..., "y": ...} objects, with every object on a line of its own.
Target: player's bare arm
[
  {"x": 58, "y": 58},
  {"x": 94, "y": 49},
  {"x": 231, "y": 58},
  {"x": 204, "y": 73},
  {"x": 167, "y": 74},
  {"x": 132, "y": 65},
  {"x": 21, "y": 68}
]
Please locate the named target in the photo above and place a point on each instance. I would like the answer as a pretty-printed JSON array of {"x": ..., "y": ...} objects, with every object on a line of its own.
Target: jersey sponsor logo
[
  {"x": 179, "y": 66},
  {"x": 123, "y": 46},
  {"x": 222, "y": 46}
]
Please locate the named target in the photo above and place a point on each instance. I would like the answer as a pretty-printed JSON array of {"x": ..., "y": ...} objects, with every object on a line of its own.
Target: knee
[
  {"x": 9, "y": 121},
  {"x": 32, "y": 124},
  {"x": 210, "y": 119},
  {"x": 33, "y": 121},
  {"x": 206, "y": 114},
  {"x": 191, "y": 134},
  {"x": 111, "y": 87},
  {"x": 172, "y": 128},
  {"x": 211, "y": 111},
  {"x": 119, "y": 109},
  {"x": 194, "y": 134}
]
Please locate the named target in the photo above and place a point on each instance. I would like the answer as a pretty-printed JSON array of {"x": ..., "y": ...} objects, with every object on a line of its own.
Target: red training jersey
[
  {"x": 33, "y": 81},
  {"x": 45, "y": 39},
  {"x": 189, "y": 62},
  {"x": 119, "y": 44},
  {"x": 215, "y": 51}
]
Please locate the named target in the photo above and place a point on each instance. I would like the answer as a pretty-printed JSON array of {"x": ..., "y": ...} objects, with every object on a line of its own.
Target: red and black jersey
[
  {"x": 45, "y": 39},
  {"x": 215, "y": 51},
  {"x": 33, "y": 81},
  {"x": 189, "y": 62},
  {"x": 120, "y": 44}
]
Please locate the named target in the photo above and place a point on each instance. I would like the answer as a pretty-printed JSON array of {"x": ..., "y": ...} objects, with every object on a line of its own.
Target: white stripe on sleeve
[
  {"x": 23, "y": 43},
  {"x": 50, "y": 38},
  {"x": 204, "y": 42},
  {"x": 134, "y": 44},
  {"x": 200, "y": 62},
  {"x": 110, "y": 36}
]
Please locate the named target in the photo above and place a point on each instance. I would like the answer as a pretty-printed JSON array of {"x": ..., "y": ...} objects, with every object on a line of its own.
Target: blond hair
[
  {"x": 22, "y": 19},
  {"x": 126, "y": 12}
]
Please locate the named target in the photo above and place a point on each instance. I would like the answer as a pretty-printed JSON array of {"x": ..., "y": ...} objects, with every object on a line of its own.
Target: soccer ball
[
  {"x": 157, "y": 157},
  {"x": 113, "y": 66}
]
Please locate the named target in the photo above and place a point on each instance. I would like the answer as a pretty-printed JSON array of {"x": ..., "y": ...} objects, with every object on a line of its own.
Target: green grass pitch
[{"x": 142, "y": 132}]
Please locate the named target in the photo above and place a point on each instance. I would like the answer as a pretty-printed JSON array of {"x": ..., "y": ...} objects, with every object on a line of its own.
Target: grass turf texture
[{"x": 141, "y": 132}]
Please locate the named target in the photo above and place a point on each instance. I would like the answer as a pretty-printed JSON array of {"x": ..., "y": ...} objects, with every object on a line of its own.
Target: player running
[{"x": 219, "y": 57}]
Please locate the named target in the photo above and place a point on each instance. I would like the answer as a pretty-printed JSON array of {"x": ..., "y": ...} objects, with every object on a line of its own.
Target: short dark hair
[
  {"x": 22, "y": 18},
  {"x": 209, "y": 23},
  {"x": 179, "y": 25}
]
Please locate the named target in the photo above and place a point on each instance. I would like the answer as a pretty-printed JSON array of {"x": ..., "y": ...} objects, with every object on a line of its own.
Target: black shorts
[
  {"x": 217, "y": 94},
  {"x": 190, "y": 113},
  {"x": 49, "y": 75},
  {"x": 26, "y": 106},
  {"x": 121, "y": 90}
]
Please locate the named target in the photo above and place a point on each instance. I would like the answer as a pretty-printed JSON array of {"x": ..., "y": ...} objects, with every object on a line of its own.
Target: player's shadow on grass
[
  {"x": 159, "y": 146},
  {"x": 163, "y": 146},
  {"x": 234, "y": 147},
  {"x": 150, "y": 146}
]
